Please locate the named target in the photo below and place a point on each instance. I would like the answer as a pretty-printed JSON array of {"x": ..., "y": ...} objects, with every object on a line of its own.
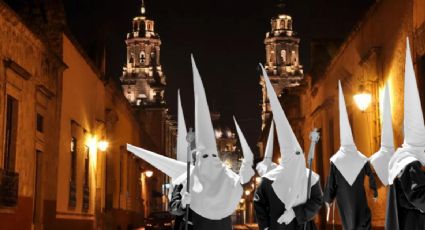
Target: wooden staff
[{"x": 314, "y": 137}]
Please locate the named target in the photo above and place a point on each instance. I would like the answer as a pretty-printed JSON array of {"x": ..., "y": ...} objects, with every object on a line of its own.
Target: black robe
[
  {"x": 196, "y": 222},
  {"x": 406, "y": 200},
  {"x": 177, "y": 210},
  {"x": 268, "y": 208},
  {"x": 352, "y": 203}
]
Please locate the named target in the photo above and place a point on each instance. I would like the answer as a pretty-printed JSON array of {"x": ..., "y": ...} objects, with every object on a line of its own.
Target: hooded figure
[
  {"x": 215, "y": 190},
  {"x": 406, "y": 199},
  {"x": 172, "y": 168},
  {"x": 381, "y": 159},
  {"x": 280, "y": 200},
  {"x": 266, "y": 164},
  {"x": 175, "y": 204},
  {"x": 346, "y": 177}
]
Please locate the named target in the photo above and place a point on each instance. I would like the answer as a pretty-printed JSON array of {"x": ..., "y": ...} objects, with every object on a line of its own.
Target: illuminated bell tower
[
  {"x": 282, "y": 59},
  {"x": 142, "y": 81}
]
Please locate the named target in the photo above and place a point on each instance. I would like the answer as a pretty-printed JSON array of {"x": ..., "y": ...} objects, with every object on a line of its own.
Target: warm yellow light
[
  {"x": 218, "y": 133},
  {"x": 148, "y": 173},
  {"x": 247, "y": 192},
  {"x": 242, "y": 200},
  {"x": 92, "y": 142},
  {"x": 102, "y": 145},
  {"x": 258, "y": 180},
  {"x": 363, "y": 100}
]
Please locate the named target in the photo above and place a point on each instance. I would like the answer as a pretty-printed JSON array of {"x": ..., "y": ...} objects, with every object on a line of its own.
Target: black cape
[
  {"x": 196, "y": 222},
  {"x": 406, "y": 200},
  {"x": 352, "y": 203},
  {"x": 268, "y": 208}
]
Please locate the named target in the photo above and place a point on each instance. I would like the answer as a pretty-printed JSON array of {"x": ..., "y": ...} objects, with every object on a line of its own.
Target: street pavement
[{"x": 245, "y": 227}]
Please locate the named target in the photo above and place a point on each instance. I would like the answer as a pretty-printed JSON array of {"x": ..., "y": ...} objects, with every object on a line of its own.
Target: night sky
[{"x": 226, "y": 38}]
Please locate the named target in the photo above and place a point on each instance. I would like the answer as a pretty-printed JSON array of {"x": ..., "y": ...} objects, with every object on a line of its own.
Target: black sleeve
[
  {"x": 262, "y": 205},
  {"x": 413, "y": 184},
  {"x": 331, "y": 186},
  {"x": 175, "y": 205},
  {"x": 307, "y": 211},
  {"x": 372, "y": 182}
]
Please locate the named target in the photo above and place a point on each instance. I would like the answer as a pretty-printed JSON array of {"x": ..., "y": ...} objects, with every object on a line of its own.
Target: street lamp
[
  {"x": 257, "y": 180},
  {"x": 247, "y": 192},
  {"x": 148, "y": 173},
  {"x": 102, "y": 145},
  {"x": 362, "y": 99}
]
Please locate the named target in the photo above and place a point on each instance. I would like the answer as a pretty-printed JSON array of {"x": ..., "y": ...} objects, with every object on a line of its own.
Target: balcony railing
[
  {"x": 72, "y": 202},
  {"x": 9, "y": 187},
  {"x": 86, "y": 197}
]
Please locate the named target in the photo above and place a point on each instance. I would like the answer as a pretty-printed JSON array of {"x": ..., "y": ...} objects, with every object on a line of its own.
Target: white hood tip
[
  {"x": 267, "y": 164},
  {"x": 246, "y": 150},
  {"x": 381, "y": 159},
  {"x": 204, "y": 131},
  {"x": 182, "y": 144},
  {"x": 345, "y": 132},
  {"x": 414, "y": 130}
]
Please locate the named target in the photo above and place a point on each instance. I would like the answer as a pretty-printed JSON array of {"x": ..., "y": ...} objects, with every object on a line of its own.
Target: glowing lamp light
[
  {"x": 148, "y": 173},
  {"x": 362, "y": 99},
  {"x": 247, "y": 192},
  {"x": 242, "y": 200},
  {"x": 92, "y": 143},
  {"x": 218, "y": 133},
  {"x": 257, "y": 180},
  {"x": 102, "y": 145}
]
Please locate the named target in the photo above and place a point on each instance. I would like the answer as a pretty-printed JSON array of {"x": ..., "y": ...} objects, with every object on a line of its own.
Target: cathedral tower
[
  {"x": 282, "y": 59},
  {"x": 142, "y": 80}
]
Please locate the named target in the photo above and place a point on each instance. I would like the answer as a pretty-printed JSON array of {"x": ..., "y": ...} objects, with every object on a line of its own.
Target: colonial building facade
[
  {"x": 372, "y": 55},
  {"x": 64, "y": 130},
  {"x": 29, "y": 77}
]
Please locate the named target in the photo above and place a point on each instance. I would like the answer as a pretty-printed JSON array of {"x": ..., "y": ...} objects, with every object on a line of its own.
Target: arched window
[
  {"x": 271, "y": 59},
  {"x": 293, "y": 57},
  {"x": 289, "y": 24},
  {"x": 131, "y": 60},
  {"x": 283, "y": 56},
  {"x": 142, "y": 57}
]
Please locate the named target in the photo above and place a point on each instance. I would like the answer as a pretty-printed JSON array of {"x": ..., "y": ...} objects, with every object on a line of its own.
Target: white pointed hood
[
  {"x": 290, "y": 177},
  {"x": 381, "y": 159},
  {"x": 248, "y": 156},
  {"x": 414, "y": 130},
  {"x": 215, "y": 189},
  {"x": 266, "y": 164},
  {"x": 245, "y": 171},
  {"x": 347, "y": 160},
  {"x": 171, "y": 167},
  {"x": 182, "y": 144},
  {"x": 205, "y": 138}
]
